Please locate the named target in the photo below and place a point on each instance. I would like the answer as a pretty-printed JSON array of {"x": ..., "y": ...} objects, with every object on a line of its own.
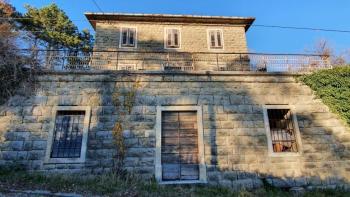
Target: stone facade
[
  {"x": 235, "y": 141},
  {"x": 151, "y": 36},
  {"x": 150, "y": 52}
]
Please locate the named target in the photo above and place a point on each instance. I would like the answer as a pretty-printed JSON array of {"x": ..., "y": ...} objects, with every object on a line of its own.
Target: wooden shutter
[
  {"x": 168, "y": 37},
  {"x": 176, "y": 37},
  {"x": 219, "y": 44},
  {"x": 180, "y": 146},
  {"x": 132, "y": 33},
  {"x": 124, "y": 36},
  {"x": 212, "y": 39}
]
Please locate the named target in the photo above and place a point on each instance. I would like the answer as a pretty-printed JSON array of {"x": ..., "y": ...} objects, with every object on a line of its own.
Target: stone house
[{"x": 196, "y": 108}]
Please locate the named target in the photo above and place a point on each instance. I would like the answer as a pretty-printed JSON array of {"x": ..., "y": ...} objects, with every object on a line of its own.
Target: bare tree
[
  {"x": 324, "y": 48},
  {"x": 13, "y": 74}
]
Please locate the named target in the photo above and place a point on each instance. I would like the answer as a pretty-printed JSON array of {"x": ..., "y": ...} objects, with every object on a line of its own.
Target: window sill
[
  {"x": 64, "y": 161},
  {"x": 216, "y": 49},
  {"x": 182, "y": 182},
  {"x": 298, "y": 154},
  {"x": 172, "y": 48},
  {"x": 128, "y": 47}
]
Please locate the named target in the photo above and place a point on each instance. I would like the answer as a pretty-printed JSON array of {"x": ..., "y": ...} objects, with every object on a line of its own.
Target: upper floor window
[
  {"x": 172, "y": 38},
  {"x": 216, "y": 40},
  {"x": 128, "y": 37}
]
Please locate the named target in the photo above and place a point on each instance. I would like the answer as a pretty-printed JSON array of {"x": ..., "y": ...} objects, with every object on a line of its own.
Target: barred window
[
  {"x": 68, "y": 134},
  {"x": 215, "y": 39},
  {"x": 128, "y": 37},
  {"x": 282, "y": 130}
]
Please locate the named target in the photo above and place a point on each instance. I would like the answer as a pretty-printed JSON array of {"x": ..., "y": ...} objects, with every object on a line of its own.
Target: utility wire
[
  {"x": 253, "y": 25},
  {"x": 303, "y": 28},
  {"x": 98, "y": 7}
]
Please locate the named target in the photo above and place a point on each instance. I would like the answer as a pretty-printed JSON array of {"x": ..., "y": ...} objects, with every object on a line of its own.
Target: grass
[
  {"x": 129, "y": 185},
  {"x": 333, "y": 87}
]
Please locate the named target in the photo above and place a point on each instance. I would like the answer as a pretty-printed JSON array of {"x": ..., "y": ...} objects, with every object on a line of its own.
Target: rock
[{"x": 297, "y": 191}]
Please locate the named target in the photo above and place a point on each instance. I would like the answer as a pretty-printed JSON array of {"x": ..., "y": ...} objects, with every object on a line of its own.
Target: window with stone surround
[
  {"x": 215, "y": 39},
  {"x": 128, "y": 37},
  {"x": 282, "y": 130},
  {"x": 172, "y": 38},
  {"x": 68, "y": 135},
  {"x": 179, "y": 145}
]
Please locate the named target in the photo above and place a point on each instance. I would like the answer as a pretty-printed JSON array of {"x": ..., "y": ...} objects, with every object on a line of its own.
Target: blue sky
[{"x": 331, "y": 14}]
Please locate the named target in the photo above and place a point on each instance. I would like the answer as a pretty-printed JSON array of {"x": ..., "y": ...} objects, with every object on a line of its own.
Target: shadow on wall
[
  {"x": 142, "y": 58},
  {"x": 236, "y": 137},
  {"x": 235, "y": 140}
]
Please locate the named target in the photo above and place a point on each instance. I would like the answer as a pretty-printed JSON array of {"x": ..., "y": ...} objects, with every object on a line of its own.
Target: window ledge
[
  {"x": 64, "y": 161},
  {"x": 182, "y": 182},
  {"x": 172, "y": 48},
  {"x": 128, "y": 47},
  {"x": 216, "y": 48},
  {"x": 298, "y": 154}
]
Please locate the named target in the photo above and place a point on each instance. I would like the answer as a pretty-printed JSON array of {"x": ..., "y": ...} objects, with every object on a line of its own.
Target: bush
[{"x": 333, "y": 87}]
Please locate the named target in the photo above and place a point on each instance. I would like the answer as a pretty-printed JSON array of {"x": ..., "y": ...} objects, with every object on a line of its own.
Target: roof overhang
[{"x": 93, "y": 17}]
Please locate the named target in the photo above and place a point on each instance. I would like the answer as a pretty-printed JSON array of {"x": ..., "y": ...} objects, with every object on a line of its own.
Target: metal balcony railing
[{"x": 182, "y": 61}]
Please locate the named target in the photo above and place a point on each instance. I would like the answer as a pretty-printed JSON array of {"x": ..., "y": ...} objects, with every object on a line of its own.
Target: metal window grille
[
  {"x": 68, "y": 134},
  {"x": 282, "y": 130}
]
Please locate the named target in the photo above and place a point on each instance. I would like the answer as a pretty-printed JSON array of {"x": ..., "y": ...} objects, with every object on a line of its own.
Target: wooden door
[{"x": 179, "y": 146}]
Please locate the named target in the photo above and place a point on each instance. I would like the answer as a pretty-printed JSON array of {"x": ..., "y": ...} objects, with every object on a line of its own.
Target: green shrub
[{"x": 333, "y": 87}]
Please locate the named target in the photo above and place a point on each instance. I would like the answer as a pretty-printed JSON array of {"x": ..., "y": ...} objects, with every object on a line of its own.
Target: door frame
[{"x": 201, "y": 158}]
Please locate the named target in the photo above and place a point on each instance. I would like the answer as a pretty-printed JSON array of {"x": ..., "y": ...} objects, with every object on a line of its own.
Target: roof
[{"x": 99, "y": 16}]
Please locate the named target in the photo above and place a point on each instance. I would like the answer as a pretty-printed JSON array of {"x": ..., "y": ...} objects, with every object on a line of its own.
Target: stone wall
[{"x": 235, "y": 142}]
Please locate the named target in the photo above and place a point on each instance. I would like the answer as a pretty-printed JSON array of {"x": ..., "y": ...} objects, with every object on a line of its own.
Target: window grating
[
  {"x": 68, "y": 134},
  {"x": 282, "y": 130}
]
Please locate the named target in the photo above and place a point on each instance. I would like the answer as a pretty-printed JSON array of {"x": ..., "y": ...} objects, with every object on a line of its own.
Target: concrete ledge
[
  {"x": 13, "y": 192},
  {"x": 219, "y": 73}
]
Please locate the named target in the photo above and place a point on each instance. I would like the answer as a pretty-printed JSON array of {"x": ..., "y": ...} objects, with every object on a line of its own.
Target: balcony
[{"x": 186, "y": 62}]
